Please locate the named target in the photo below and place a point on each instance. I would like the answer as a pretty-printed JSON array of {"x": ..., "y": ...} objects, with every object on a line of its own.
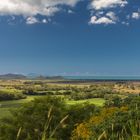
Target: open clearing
[{"x": 95, "y": 101}]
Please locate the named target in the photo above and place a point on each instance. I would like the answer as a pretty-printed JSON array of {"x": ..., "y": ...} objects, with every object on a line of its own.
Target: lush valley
[{"x": 44, "y": 109}]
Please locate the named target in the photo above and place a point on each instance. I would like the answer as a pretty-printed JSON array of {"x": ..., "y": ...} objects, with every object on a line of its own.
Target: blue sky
[{"x": 73, "y": 37}]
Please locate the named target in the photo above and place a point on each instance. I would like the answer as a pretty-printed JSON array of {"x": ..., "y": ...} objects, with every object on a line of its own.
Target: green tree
[{"x": 32, "y": 117}]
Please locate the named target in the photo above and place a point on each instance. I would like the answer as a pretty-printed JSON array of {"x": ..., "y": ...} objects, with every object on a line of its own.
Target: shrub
[
  {"x": 11, "y": 95},
  {"x": 33, "y": 119}
]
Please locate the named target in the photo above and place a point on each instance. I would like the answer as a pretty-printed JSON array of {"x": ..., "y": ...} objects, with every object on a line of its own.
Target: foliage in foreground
[
  {"x": 44, "y": 118},
  {"x": 112, "y": 123},
  {"x": 50, "y": 118},
  {"x": 31, "y": 119}
]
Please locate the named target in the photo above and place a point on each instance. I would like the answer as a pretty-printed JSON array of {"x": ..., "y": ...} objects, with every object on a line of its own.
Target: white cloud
[
  {"x": 44, "y": 21},
  {"x": 136, "y": 15},
  {"x": 103, "y": 4},
  {"x": 70, "y": 11},
  {"x": 32, "y": 20},
  {"x": 104, "y": 11},
  {"x": 112, "y": 16},
  {"x": 101, "y": 20},
  {"x": 31, "y": 8},
  {"x": 108, "y": 18}
]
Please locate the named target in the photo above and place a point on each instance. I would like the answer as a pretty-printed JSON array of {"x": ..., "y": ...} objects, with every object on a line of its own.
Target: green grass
[
  {"x": 95, "y": 101},
  {"x": 5, "y": 106}
]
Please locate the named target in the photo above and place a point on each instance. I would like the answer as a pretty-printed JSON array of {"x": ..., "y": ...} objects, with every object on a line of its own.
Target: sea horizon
[{"x": 102, "y": 77}]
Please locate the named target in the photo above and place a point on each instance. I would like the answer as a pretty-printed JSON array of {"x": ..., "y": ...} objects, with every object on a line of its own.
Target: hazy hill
[
  {"x": 12, "y": 76},
  {"x": 33, "y": 77}
]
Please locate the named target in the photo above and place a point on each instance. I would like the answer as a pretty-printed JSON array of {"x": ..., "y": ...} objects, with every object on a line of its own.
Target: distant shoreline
[
  {"x": 103, "y": 78},
  {"x": 70, "y": 79}
]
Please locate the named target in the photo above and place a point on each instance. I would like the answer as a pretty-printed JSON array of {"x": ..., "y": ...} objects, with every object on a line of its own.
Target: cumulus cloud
[
  {"x": 100, "y": 4},
  {"x": 104, "y": 11},
  {"x": 32, "y": 20},
  {"x": 111, "y": 15},
  {"x": 44, "y": 21},
  {"x": 101, "y": 11},
  {"x": 136, "y": 15},
  {"x": 108, "y": 18},
  {"x": 30, "y": 8},
  {"x": 101, "y": 20},
  {"x": 33, "y": 7}
]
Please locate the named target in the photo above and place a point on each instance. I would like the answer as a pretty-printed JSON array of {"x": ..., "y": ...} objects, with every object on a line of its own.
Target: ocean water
[{"x": 102, "y": 77}]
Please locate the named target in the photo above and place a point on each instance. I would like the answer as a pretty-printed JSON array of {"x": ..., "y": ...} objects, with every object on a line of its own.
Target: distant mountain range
[
  {"x": 12, "y": 76},
  {"x": 33, "y": 76}
]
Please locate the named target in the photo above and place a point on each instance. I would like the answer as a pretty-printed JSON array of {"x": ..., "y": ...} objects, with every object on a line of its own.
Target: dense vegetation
[
  {"x": 44, "y": 114},
  {"x": 115, "y": 123},
  {"x": 51, "y": 117},
  {"x": 6, "y": 94},
  {"x": 46, "y": 118}
]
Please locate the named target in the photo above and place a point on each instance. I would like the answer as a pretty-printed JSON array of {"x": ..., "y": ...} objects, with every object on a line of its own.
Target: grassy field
[
  {"x": 5, "y": 106},
  {"x": 95, "y": 101}
]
